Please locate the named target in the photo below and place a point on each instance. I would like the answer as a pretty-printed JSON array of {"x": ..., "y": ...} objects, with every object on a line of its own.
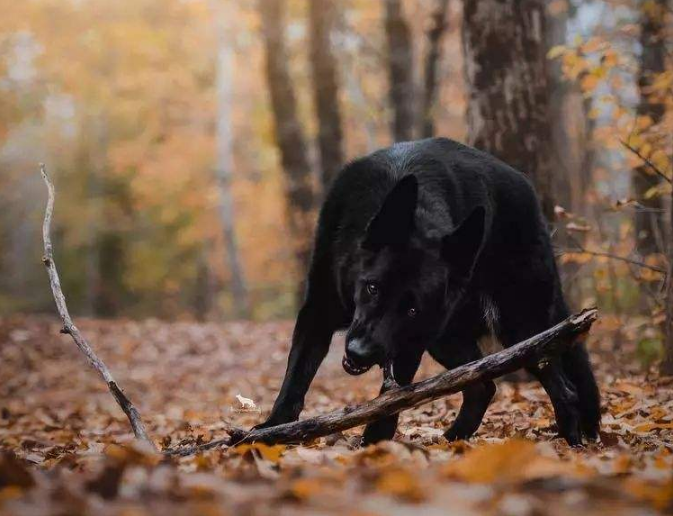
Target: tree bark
[
  {"x": 400, "y": 71},
  {"x": 224, "y": 160},
  {"x": 432, "y": 60},
  {"x": 652, "y": 62},
  {"x": 322, "y": 14},
  {"x": 559, "y": 91},
  {"x": 536, "y": 348},
  {"x": 288, "y": 131},
  {"x": 504, "y": 47},
  {"x": 667, "y": 364}
]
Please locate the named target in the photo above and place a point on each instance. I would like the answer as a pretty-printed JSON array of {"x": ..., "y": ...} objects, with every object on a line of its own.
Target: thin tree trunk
[
  {"x": 224, "y": 165},
  {"x": 667, "y": 364},
  {"x": 358, "y": 99},
  {"x": 567, "y": 152},
  {"x": 588, "y": 148},
  {"x": 322, "y": 17},
  {"x": 400, "y": 71},
  {"x": 88, "y": 162},
  {"x": 432, "y": 59},
  {"x": 508, "y": 111},
  {"x": 203, "y": 287},
  {"x": 652, "y": 63},
  {"x": 559, "y": 90},
  {"x": 288, "y": 131}
]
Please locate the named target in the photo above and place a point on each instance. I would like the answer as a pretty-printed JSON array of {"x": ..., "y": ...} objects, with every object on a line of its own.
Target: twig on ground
[
  {"x": 401, "y": 398},
  {"x": 72, "y": 330}
]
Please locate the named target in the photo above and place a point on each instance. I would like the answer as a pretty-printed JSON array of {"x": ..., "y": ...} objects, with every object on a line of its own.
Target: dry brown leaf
[
  {"x": 511, "y": 461},
  {"x": 270, "y": 453},
  {"x": 402, "y": 483}
]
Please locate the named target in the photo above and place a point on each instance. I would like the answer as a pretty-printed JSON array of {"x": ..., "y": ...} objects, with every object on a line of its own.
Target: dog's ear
[
  {"x": 394, "y": 222},
  {"x": 461, "y": 247}
]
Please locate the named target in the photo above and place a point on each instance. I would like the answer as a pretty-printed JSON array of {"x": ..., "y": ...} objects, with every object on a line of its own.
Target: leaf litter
[{"x": 66, "y": 448}]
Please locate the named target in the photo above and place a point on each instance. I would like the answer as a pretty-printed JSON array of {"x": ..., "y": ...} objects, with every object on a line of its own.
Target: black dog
[{"x": 429, "y": 245}]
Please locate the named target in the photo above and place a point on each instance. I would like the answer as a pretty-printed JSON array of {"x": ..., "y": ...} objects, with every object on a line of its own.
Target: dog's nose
[{"x": 358, "y": 351}]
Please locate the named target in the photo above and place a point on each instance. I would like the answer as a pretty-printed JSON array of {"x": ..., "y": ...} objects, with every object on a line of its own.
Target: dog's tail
[{"x": 577, "y": 367}]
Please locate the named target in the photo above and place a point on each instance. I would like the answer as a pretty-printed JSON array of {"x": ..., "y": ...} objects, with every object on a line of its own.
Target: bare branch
[
  {"x": 647, "y": 161},
  {"x": 618, "y": 258},
  {"x": 72, "y": 330},
  {"x": 579, "y": 248},
  {"x": 537, "y": 348}
]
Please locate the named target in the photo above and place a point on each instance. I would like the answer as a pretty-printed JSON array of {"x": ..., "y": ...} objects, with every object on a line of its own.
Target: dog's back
[{"x": 452, "y": 180}]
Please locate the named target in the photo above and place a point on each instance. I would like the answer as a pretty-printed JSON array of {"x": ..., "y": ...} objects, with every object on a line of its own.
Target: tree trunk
[
  {"x": 505, "y": 67},
  {"x": 559, "y": 90},
  {"x": 667, "y": 364},
  {"x": 322, "y": 15},
  {"x": 224, "y": 165},
  {"x": 432, "y": 59},
  {"x": 400, "y": 71},
  {"x": 288, "y": 131},
  {"x": 568, "y": 181},
  {"x": 652, "y": 62}
]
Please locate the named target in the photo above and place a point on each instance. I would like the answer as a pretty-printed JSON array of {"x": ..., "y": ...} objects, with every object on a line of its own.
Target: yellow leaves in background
[
  {"x": 653, "y": 9},
  {"x": 557, "y": 7},
  {"x": 580, "y": 258},
  {"x": 589, "y": 82},
  {"x": 557, "y": 51},
  {"x": 580, "y": 63}
]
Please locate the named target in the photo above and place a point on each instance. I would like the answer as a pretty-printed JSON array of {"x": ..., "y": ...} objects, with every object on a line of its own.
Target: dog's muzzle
[
  {"x": 359, "y": 357},
  {"x": 352, "y": 368}
]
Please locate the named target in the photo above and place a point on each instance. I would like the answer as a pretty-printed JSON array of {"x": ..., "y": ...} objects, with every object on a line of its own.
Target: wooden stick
[
  {"x": 72, "y": 330},
  {"x": 536, "y": 348}
]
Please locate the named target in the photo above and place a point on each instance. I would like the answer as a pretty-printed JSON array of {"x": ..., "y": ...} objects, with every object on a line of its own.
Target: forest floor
[{"x": 65, "y": 447}]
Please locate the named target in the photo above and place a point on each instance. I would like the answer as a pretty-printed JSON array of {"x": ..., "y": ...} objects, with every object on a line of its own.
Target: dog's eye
[
  {"x": 372, "y": 289},
  {"x": 412, "y": 312}
]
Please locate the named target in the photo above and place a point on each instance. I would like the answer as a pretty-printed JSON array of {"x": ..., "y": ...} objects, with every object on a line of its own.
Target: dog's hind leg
[
  {"x": 404, "y": 369},
  {"x": 577, "y": 367},
  {"x": 529, "y": 302}
]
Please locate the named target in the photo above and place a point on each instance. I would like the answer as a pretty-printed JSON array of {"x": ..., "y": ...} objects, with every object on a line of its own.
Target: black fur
[{"x": 427, "y": 246}]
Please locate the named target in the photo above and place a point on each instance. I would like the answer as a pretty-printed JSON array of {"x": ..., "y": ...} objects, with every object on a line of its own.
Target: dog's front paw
[
  {"x": 280, "y": 417},
  {"x": 460, "y": 431},
  {"x": 378, "y": 431}
]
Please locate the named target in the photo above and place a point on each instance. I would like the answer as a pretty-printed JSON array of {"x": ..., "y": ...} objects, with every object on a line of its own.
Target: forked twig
[{"x": 72, "y": 330}]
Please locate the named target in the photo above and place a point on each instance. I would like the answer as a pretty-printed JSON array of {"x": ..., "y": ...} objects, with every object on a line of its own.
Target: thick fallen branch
[
  {"x": 72, "y": 330},
  {"x": 537, "y": 348}
]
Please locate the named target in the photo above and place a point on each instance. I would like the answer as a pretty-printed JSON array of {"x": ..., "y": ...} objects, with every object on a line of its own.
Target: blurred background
[{"x": 191, "y": 141}]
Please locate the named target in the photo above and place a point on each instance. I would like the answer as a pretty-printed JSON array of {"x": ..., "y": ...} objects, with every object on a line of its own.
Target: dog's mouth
[{"x": 352, "y": 368}]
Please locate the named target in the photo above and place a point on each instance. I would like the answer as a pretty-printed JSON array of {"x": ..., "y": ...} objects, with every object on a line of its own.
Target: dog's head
[{"x": 407, "y": 285}]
